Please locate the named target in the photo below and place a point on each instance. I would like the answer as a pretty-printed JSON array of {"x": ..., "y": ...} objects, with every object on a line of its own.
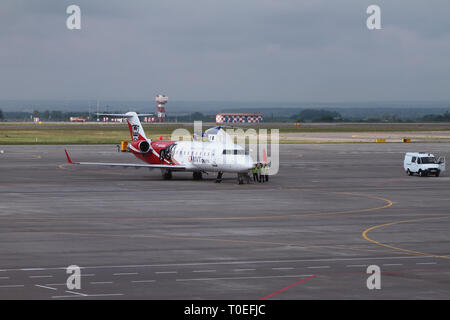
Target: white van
[{"x": 423, "y": 164}]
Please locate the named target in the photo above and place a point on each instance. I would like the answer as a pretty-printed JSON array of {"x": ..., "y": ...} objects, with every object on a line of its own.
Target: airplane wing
[{"x": 126, "y": 165}]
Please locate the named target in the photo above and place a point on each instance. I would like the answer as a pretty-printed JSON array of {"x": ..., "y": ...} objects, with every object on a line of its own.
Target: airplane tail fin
[{"x": 134, "y": 124}]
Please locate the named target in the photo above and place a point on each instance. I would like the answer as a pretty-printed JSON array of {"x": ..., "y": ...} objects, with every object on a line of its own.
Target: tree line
[
  {"x": 307, "y": 115},
  {"x": 315, "y": 115}
]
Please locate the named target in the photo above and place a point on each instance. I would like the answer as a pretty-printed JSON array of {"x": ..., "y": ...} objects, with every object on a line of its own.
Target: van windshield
[{"x": 427, "y": 160}]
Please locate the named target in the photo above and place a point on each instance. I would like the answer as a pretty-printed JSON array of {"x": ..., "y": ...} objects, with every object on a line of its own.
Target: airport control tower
[{"x": 161, "y": 100}]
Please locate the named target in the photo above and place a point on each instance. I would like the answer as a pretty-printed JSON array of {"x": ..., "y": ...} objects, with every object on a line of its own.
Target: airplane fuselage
[{"x": 197, "y": 156}]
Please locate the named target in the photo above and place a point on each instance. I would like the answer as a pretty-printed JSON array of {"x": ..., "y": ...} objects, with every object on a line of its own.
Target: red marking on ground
[
  {"x": 386, "y": 273},
  {"x": 288, "y": 287}
]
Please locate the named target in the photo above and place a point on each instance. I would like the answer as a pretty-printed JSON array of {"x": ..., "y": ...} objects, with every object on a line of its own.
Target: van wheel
[
  {"x": 422, "y": 173},
  {"x": 438, "y": 173},
  {"x": 409, "y": 172}
]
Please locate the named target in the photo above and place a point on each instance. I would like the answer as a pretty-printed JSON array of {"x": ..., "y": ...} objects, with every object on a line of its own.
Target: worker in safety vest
[
  {"x": 266, "y": 172},
  {"x": 260, "y": 172},
  {"x": 255, "y": 173}
]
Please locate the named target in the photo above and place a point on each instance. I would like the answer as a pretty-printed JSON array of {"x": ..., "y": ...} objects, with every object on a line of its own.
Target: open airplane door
[{"x": 441, "y": 162}]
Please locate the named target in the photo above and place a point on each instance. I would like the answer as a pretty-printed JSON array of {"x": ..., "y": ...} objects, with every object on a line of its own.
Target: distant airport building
[
  {"x": 150, "y": 119},
  {"x": 239, "y": 118},
  {"x": 112, "y": 119},
  {"x": 78, "y": 119}
]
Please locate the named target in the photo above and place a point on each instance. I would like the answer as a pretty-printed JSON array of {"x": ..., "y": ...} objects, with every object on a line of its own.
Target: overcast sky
[{"x": 250, "y": 50}]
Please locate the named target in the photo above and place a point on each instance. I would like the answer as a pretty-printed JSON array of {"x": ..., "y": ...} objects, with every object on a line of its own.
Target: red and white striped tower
[{"x": 160, "y": 102}]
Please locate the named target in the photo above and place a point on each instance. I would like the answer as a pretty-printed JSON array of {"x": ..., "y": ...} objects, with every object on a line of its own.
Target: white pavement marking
[
  {"x": 204, "y": 271},
  {"x": 105, "y": 295},
  {"x": 77, "y": 293},
  {"x": 243, "y": 270},
  {"x": 101, "y": 282},
  {"x": 319, "y": 267},
  {"x": 163, "y": 272},
  {"x": 356, "y": 265},
  {"x": 47, "y": 276},
  {"x": 247, "y": 278},
  {"x": 13, "y": 286},
  {"x": 142, "y": 281},
  {"x": 228, "y": 263},
  {"x": 426, "y": 263},
  {"x": 45, "y": 287},
  {"x": 125, "y": 274},
  {"x": 4, "y": 278},
  {"x": 89, "y": 295},
  {"x": 392, "y": 264}
]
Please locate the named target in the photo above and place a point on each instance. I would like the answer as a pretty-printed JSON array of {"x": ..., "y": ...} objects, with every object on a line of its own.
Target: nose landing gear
[
  {"x": 219, "y": 177},
  {"x": 243, "y": 177}
]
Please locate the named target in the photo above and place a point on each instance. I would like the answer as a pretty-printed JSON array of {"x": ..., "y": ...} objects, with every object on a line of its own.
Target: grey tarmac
[{"x": 330, "y": 212}]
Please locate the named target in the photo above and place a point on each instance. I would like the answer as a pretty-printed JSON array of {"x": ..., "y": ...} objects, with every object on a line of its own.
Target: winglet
[{"x": 68, "y": 158}]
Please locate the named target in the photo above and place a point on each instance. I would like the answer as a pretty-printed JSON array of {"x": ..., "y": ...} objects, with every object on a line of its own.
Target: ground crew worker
[
  {"x": 260, "y": 174},
  {"x": 266, "y": 172},
  {"x": 255, "y": 173},
  {"x": 263, "y": 171}
]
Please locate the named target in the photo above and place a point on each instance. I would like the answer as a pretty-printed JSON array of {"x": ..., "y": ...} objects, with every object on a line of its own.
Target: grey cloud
[{"x": 251, "y": 50}]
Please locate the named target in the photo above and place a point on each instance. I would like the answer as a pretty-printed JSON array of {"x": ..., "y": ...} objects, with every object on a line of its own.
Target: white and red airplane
[{"x": 219, "y": 154}]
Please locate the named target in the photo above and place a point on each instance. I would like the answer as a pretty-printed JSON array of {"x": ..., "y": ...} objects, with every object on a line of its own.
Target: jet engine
[{"x": 141, "y": 146}]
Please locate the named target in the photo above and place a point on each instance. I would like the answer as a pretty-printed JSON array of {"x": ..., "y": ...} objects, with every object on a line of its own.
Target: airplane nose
[{"x": 249, "y": 163}]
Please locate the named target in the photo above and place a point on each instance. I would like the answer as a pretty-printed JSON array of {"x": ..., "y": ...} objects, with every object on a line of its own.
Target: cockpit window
[{"x": 234, "y": 151}]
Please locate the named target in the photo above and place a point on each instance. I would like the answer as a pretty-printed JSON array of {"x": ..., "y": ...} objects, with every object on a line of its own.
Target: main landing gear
[
  {"x": 197, "y": 175},
  {"x": 167, "y": 174},
  {"x": 243, "y": 177}
]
